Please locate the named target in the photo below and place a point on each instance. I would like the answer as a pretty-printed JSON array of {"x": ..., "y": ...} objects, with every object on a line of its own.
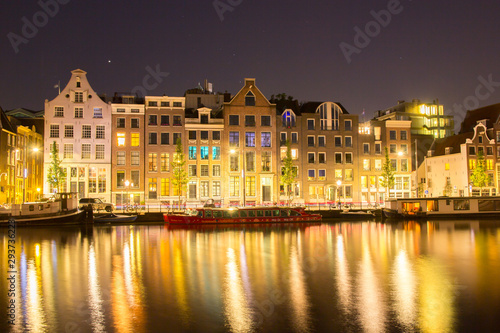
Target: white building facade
[{"x": 79, "y": 122}]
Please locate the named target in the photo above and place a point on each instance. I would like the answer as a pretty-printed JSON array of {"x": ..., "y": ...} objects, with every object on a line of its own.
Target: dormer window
[
  {"x": 204, "y": 119},
  {"x": 447, "y": 150},
  {"x": 250, "y": 99},
  {"x": 288, "y": 118},
  {"x": 78, "y": 82}
]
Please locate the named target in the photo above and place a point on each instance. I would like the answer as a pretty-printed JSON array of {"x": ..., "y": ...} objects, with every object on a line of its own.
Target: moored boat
[
  {"x": 443, "y": 207},
  {"x": 242, "y": 215},
  {"x": 115, "y": 218},
  {"x": 60, "y": 209}
]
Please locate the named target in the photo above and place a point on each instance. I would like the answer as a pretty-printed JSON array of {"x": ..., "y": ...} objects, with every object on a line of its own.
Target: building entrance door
[
  {"x": 81, "y": 189},
  {"x": 266, "y": 193}
]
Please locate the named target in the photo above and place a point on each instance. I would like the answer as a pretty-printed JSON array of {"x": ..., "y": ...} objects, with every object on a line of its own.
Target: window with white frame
[
  {"x": 78, "y": 112},
  {"x": 100, "y": 132},
  {"x": 68, "y": 131},
  {"x": 86, "y": 131},
  {"x": 86, "y": 151},
  {"x": 97, "y": 112},
  {"x": 54, "y": 131},
  {"x": 120, "y": 158},
  {"x": 78, "y": 97},
  {"x": 58, "y": 111},
  {"x": 99, "y": 152},
  {"x": 68, "y": 150},
  {"x": 265, "y": 139}
]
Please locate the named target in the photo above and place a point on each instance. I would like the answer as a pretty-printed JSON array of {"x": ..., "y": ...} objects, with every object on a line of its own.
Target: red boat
[{"x": 242, "y": 215}]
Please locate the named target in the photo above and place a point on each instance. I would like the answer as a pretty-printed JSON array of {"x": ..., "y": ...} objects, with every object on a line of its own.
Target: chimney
[{"x": 227, "y": 97}]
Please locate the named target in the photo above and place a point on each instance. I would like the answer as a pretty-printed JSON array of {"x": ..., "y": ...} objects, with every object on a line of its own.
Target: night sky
[{"x": 428, "y": 50}]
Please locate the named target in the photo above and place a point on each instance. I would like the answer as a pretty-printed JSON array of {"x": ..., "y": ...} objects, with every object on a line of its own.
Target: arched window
[
  {"x": 250, "y": 99},
  {"x": 329, "y": 116},
  {"x": 288, "y": 118}
]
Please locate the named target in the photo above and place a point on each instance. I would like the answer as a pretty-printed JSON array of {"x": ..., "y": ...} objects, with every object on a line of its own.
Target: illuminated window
[
  {"x": 165, "y": 187},
  {"x": 321, "y": 174},
  {"x": 364, "y": 181},
  {"x": 192, "y": 153},
  {"x": 216, "y": 188},
  {"x": 250, "y": 139},
  {"x": 192, "y": 170},
  {"x": 366, "y": 165},
  {"x": 338, "y": 173},
  {"x": 489, "y": 164},
  {"x": 97, "y": 112},
  {"x": 216, "y": 170},
  {"x": 135, "y": 139},
  {"x": 204, "y": 188},
  {"x": 234, "y": 161},
  {"x": 348, "y": 174},
  {"x": 215, "y": 153},
  {"x": 234, "y": 186},
  {"x": 404, "y": 165},
  {"x": 234, "y": 139},
  {"x": 311, "y": 174},
  {"x": 250, "y": 161},
  {"x": 121, "y": 139},
  {"x": 472, "y": 164},
  {"x": 447, "y": 166},
  {"x": 266, "y": 161},
  {"x": 250, "y": 186},
  {"x": 152, "y": 162},
  {"x": 204, "y": 152},
  {"x": 378, "y": 165},
  {"x": 204, "y": 170},
  {"x": 265, "y": 139},
  {"x": 164, "y": 162},
  {"x": 92, "y": 180},
  {"x": 135, "y": 158}
]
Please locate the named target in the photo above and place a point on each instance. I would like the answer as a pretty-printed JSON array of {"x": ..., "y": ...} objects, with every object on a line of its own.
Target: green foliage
[
  {"x": 479, "y": 178},
  {"x": 56, "y": 174},
  {"x": 180, "y": 178},
  {"x": 288, "y": 173},
  {"x": 387, "y": 172}
]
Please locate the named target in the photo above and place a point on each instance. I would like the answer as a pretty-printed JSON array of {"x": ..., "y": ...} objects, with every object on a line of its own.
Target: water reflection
[
  {"x": 237, "y": 311},
  {"x": 404, "y": 283},
  {"x": 338, "y": 277}
]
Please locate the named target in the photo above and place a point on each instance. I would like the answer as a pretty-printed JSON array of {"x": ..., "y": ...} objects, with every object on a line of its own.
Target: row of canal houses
[{"x": 121, "y": 149}]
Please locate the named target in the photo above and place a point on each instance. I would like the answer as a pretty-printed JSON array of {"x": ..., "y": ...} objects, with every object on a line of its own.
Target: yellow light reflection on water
[
  {"x": 95, "y": 297},
  {"x": 342, "y": 276},
  {"x": 35, "y": 315},
  {"x": 370, "y": 303},
  {"x": 298, "y": 293},
  {"x": 436, "y": 311},
  {"x": 236, "y": 309},
  {"x": 404, "y": 283}
]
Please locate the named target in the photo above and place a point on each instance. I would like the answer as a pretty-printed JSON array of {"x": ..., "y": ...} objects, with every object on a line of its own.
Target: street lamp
[{"x": 232, "y": 152}]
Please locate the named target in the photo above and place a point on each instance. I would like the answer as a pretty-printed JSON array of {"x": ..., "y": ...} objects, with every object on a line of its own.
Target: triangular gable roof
[{"x": 249, "y": 86}]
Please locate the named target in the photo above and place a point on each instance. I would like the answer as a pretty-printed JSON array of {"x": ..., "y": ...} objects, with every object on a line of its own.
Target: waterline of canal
[{"x": 361, "y": 276}]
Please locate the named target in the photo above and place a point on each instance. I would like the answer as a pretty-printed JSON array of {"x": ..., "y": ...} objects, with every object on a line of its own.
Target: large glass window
[
  {"x": 192, "y": 153},
  {"x": 120, "y": 158},
  {"x": 234, "y": 161},
  {"x": 153, "y": 162},
  {"x": 266, "y": 161},
  {"x": 99, "y": 152},
  {"x": 135, "y": 158},
  {"x": 250, "y": 186},
  {"x": 135, "y": 139},
  {"x": 165, "y": 187},
  {"x": 265, "y": 139},
  {"x": 215, "y": 153},
  {"x": 234, "y": 186},
  {"x": 250, "y": 161},
  {"x": 250, "y": 139},
  {"x": 164, "y": 162},
  {"x": 204, "y": 152},
  {"x": 68, "y": 131},
  {"x": 234, "y": 139}
]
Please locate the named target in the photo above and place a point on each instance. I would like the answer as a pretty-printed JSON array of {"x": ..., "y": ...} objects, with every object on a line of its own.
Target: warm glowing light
[
  {"x": 400, "y": 153},
  {"x": 339, "y": 182},
  {"x": 37, "y": 250},
  {"x": 232, "y": 151},
  {"x": 127, "y": 183}
]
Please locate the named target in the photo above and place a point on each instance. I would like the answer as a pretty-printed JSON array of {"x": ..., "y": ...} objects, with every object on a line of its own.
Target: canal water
[{"x": 342, "y": 277}]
